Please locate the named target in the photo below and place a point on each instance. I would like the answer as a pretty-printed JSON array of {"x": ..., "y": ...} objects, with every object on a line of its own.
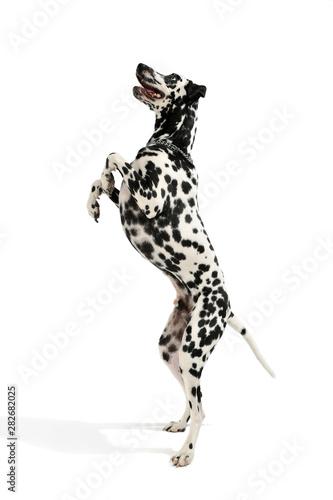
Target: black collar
[{"x": 174, "y": 148}]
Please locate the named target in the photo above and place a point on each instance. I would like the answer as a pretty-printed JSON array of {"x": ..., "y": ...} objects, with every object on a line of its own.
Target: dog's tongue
[{"x": 149, "y": 92}]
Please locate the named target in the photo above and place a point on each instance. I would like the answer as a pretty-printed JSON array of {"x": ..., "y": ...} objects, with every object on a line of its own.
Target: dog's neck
[{"x": 177, "y": 125}]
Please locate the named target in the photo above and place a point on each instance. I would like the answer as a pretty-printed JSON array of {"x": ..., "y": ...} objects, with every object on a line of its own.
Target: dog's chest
[{"x": 167, "y": 240}]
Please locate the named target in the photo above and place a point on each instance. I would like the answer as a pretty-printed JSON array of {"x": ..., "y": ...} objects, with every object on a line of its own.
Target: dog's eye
[{"x": 172, "y": 79}]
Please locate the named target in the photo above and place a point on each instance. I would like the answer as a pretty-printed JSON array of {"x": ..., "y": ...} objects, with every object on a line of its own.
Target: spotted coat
[{"x": 160, "y": 215}]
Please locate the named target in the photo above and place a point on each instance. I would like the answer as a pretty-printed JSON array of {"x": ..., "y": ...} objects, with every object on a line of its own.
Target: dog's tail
[{"x": 237, "y": 325}]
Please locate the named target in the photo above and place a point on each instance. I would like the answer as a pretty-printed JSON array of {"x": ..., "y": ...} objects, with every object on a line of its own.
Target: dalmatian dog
[{"x": 159, "y": 214}]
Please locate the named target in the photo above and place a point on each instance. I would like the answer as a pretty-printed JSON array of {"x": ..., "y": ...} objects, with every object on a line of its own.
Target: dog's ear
[{"x": 194, "y": 91}]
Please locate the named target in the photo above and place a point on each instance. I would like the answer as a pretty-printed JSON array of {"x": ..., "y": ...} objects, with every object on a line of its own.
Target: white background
[{"x": 107, "y": 391}]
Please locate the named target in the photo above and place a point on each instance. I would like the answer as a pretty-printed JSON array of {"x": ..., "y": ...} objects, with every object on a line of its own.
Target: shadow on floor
[{"x": 70, "y": 436}]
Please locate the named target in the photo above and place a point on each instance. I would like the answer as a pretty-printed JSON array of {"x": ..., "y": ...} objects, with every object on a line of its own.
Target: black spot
[
  {"x": 196, "y": 353},
  {"x": 196, "y": 373},
  {"x": 172, "y": 348},
  {"x": 172, "y": 188},
  {"x": 204, "y": 267},
  {"x": 179, "y": 207},
  {"x": 186, "y": 187},
  {"x": 152, "y": 173},
  {"x": 180, "y": 256},
  {"x": 146, "y": 248},
  {"x": 213, "y": 322},
  {"x": 169, "y": 248},
  {"x": 166, "y": 356},
  {"x": 164, "y": 340},
  {"x": 172, "y": 268},
  {"x": 180, "y": 305},
  {"x": 199, "y": 395},
  {"x": 186, "y": 243},
  {"x": 176, "y": 235},
  {"x": 174, "y": 220},
  {"x": 165, "y": 236}
]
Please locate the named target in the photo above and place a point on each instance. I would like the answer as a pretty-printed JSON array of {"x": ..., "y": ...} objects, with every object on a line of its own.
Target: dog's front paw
[{"x": 92, "y": 204}]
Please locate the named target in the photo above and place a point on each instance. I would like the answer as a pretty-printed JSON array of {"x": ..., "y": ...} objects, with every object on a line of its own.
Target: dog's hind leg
[
  {"x": 169, "y": 344},
  {"x": 205, "y": 328}
]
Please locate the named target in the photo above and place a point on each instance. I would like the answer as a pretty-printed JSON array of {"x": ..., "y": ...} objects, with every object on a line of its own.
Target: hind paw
[
  {"x": 183, "y": 458},
  {"x": 175, "y": 427}
]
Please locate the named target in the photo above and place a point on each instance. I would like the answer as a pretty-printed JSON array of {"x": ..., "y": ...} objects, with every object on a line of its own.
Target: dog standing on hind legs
[{"x": 159, "y": 213}]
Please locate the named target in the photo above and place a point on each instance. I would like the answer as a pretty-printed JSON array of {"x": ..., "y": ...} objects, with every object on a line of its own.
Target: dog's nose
[{"x": 141, "y": 67}]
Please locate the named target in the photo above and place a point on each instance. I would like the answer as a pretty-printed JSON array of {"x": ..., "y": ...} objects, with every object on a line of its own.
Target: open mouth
[{"x": 148, "y": 90}]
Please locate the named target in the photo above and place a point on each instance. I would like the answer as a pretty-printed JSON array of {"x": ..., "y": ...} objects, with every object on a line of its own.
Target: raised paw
[
  {"x": 175, "y": 427},
  {"x": 184, "y": 457},
  {"x": 92, "y": 204}
]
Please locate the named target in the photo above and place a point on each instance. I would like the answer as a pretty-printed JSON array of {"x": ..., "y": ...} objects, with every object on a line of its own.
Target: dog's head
[{"x": 161, "y": 92}]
